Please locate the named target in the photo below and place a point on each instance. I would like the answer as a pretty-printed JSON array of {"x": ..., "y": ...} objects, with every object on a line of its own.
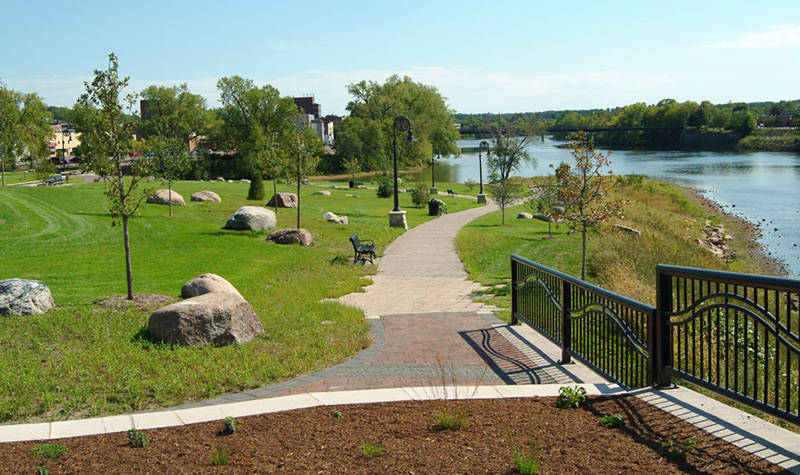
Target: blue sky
[{"x": 501, "y": 56}]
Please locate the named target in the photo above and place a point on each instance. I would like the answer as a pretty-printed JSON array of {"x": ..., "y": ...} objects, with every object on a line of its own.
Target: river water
[{"x": 762, "y": 187}]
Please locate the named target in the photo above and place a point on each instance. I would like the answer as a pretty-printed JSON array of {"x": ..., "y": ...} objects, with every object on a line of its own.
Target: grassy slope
[
  {"x": 665, "y": 214},
  {"x": 80, "y": 359}
]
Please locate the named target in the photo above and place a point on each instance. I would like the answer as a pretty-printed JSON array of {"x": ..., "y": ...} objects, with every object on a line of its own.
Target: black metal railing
[
  {"x": 604, "y": 330},
  {"x": 734, "y": 334}
]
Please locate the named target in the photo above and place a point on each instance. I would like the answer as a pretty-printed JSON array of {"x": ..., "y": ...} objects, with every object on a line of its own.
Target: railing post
[
  {"x": 566, "y": 323},
  {"x": 661, "y": 340},
  {"x": 514, "y": 296}
]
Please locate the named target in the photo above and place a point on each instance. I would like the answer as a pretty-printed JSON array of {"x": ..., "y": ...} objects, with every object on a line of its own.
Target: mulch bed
[{"x": 570, "y": 441}]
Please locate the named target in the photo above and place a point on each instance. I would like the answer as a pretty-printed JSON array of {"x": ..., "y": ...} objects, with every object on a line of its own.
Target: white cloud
[{"x": 775, "y": 37}]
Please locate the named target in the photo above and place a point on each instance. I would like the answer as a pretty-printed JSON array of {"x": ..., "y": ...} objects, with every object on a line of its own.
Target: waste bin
[{"x": 433, "y": 207}]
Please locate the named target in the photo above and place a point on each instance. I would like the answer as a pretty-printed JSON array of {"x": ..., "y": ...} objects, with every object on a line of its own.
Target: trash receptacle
[{"x": 433, "y": 208}]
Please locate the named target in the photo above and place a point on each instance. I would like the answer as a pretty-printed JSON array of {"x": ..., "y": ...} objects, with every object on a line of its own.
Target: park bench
[
  {"x": 54, "y": 180},
  {"x": 364, "y": 249},
  {"x": 451, "y": 193}
]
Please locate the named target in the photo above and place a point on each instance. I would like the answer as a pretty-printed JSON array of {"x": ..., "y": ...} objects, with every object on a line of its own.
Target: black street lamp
[
  {"x": 482, "y": 147},
  {"x": 403, "y": 124},
  {"x": 65, "y": 130},
  {"x": 434, "y": 190}
]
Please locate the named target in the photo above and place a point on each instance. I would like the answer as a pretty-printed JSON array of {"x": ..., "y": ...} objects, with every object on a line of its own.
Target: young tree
[
  {"x": 510, "y": 152},
  {"x": 305, "y": 156},
  {"x": 583, "y": 191},
  {"x": 108, "y": 135},
  {"x": 23, "y": 127},
  {"x": 168, "y": 159},
  {"x": 352, "y": 167},
  {"x": 544, "y": 200},
  {"x": 504, "y": 193}
]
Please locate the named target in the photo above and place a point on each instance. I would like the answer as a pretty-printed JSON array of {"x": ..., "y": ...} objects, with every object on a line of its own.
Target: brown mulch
[
  {"x": 143, "y": 302},
  {"x": 570, "y": 441}
]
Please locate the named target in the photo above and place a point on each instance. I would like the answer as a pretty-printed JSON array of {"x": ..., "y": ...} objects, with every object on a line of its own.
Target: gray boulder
[
  {"x": 218, "y": 318},
  {"x": 542, "y": 217},
  {"x": 283, "y": 200},
  {"x": 163, "y": 197},
  {"x": 322, "y": 192},
  {"x": 24, "y": 297},
  {"x": 252, "y": 218},
  {"x": 207, "y": 284},
  {"x": 524, "y": 216},
  {"x": 291, "y": 236},
  {"x": 206, "y": 195},
  {"x": 334, "y": 219},
  {"x": 626, "y": 230}
]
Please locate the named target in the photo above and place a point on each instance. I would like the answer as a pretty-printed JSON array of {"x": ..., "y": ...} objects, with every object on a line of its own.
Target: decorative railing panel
[
  {"x": 734, "y": 334},
  {"x": 605, "y": 330}
]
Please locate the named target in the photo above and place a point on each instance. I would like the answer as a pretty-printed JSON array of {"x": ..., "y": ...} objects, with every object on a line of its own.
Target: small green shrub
[
  {"x": 613, "y": 422},
  {"x": 571, "y": 397},
  {"x": 420, "y": 194},
  {"x": 675, "y": 451},
  {"x": 526, "y": 460},
  {"x": 51, "y": 451},
  {"x": 470, "y": 183},
  {"x": 230, "y": 426},
  {"x": 42, "y": 470},
  {"x": 451, "y": 417},
  {"x": 338, "y": 415},
  {"x": 256, "y": 190},
  {"x": 371, "y": 450},
  {"x": 219, "y": 457},
  {"x": 385, "y": 189},
  {"x": 137, "y": 439}
]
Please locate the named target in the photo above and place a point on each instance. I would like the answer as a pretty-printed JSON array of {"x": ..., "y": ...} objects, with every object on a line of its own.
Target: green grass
[
  {"x": 82, "y": 360},
  {"x": 19, "y": 177}
]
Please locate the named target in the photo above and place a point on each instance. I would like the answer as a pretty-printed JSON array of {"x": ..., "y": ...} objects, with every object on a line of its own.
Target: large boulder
[
  {"x": 322, "y": 192},
  {"x": 291, "y": 236},
  {"x": 24, "y": 297},
  {"x": 335, "y": 219},
  {"x": 206, "y": 195},
  {"x": 283, "y": 200},
  {"x": 217, "y": 318},
  {"x": 163, "y": 197},
  {"x": 524, "y": 215},
  {"x": 207, "y": 284},
  {"x": 252, "y": 218}
]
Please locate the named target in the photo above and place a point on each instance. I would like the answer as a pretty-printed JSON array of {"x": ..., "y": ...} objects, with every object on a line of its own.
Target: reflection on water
[{"x": 763, "y": 187}]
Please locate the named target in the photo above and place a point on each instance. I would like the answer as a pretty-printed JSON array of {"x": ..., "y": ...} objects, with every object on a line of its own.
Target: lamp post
[
  {"x": 434, "y": 190},
  {"x": 64, "y": 131},
  {"x": 397, "y": 218},
  {"x": 482, "y": 147}
]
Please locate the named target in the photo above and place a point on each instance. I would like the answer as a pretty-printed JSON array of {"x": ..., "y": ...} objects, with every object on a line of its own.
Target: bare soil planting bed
[{"x": 570, "y": 441}]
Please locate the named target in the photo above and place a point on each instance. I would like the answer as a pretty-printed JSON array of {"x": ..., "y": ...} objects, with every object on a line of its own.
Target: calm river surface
[{"x": 762, "y": 187}]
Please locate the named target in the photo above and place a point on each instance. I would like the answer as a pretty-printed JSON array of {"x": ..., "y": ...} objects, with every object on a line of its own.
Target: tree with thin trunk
[
  {"x": 583, "y": 191},
  {"x": 108, "y": 135},
  {"x": 505, "y": 193},
  {"x": 510, "y": 151},
  {"x": 544, "y": 201},
  {"x": 306, "y": 155}
]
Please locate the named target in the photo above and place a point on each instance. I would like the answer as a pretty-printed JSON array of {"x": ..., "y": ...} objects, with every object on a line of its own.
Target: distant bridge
[{"x": 589, "y": 130}]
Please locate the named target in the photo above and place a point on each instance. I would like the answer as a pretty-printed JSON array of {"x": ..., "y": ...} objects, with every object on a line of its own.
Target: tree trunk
[
  {"x": 3, "y": 169},
  {"x": 128, "y": 267},
  {"x": 583, "y": 252},
  {"x": 169, "y": 190},
  {"x": 298, "y": 191},
  {"x": 275, "y": 193}
]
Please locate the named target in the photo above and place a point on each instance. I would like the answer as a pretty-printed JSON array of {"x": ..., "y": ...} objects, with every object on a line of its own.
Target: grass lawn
[
  {"x": 81, "y": 359},
  {"x": 19, "y": 177}
]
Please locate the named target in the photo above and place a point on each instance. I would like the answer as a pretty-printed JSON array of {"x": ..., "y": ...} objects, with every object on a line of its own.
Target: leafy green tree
[
  {"x": 510, "y": 152},
  {"x": 258, "y": 123},
  {"x": 256, "y": 190},
  {"x": 24, "y": 128},
  {"x": 742, "y": 121},
  {"x": 583, "y": 191},
  {"x": 544, "y": 200},
  {"x": 352, "y": 167},
  {"x": 174, "y": 113},
  {"x": 108, "y": 136},
  {"x": 367, "y": 132}
]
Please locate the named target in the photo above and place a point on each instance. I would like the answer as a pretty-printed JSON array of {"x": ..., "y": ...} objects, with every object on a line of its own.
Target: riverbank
[{"x": 670, "y": 220}]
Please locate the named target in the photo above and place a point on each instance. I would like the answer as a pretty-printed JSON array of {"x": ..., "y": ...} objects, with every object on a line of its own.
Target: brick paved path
[{"x": 427, "y": 330}]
